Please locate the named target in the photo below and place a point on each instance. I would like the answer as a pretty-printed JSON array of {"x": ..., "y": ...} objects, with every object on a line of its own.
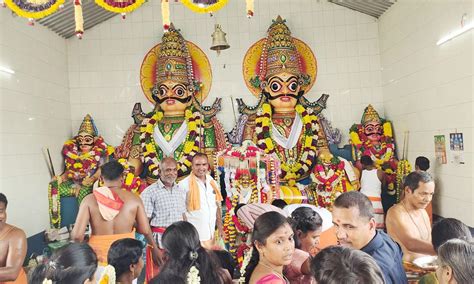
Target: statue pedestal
[{"x": 69, "y": 209}]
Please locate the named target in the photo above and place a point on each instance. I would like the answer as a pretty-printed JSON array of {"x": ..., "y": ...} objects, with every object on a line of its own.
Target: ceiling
[
  {"x": 374, "y": 8},
  {"x": 62, "y": 22}
]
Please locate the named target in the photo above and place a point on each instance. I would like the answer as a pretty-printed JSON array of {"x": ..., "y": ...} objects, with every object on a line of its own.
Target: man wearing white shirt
[{"x": 203, "y": 200}]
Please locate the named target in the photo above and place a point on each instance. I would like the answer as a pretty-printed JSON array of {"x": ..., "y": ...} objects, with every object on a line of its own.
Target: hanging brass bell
[{"x": 218, "y": 39}]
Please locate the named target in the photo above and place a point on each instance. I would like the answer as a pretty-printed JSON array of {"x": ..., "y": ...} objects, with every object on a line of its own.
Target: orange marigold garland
[{"x": 79, "y": 166}]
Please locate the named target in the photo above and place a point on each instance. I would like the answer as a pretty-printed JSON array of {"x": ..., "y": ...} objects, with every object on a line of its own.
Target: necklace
[
  {"x": 413, "y": 221},
  {"x": 280, "y": 275}
]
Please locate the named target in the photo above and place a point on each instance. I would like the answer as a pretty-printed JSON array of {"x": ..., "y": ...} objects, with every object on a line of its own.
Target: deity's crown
[
  {"x": 88, "y": 126},
  {"x": 279, "y": 52},
  {"x": 174, "y": 61},
  {"x": 370, "y": 115}
]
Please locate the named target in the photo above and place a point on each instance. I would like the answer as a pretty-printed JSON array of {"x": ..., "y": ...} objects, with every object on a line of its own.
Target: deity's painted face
[
  {"x": 245, "y": 180},
  {"x": 374, "y": 131},
  {"x": 325, "y": 156},
  {"x": 85, "y": 142},
  {"x": 282, "y": 91},
  {"x": 173, "y": 97}
]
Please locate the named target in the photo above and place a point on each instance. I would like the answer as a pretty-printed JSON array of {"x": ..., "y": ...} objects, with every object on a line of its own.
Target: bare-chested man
[
  {"x": 407, "y": 222},
  {"x": 12, "y": 248},
  {"x": 112, "y": 213}
]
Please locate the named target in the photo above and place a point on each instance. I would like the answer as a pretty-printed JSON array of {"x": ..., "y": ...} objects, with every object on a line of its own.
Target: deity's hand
[{"x": 88, "y": 181}]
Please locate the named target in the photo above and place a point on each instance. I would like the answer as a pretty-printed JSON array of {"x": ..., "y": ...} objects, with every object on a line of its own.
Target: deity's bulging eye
[
  {"x": 179, "y": 91},
  {"x": 293, "y": 86},
  {"x": 163, "y": 90},
  {"x": 275, "y": 86}
]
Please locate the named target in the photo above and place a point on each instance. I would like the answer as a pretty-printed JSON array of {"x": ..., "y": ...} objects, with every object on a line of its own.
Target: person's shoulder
[
  {"x": 394, "y": 210},
  {"x": 16, "y": 232},
  {"x": 89, "y": 199}
]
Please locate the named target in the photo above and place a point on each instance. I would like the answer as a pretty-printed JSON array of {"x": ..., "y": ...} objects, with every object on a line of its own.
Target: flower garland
[
  {"x": 193, "y": 276},
  {"x": 79, "y": 166},
  {"x": 120, "y": 6},
  {"x": 189, "y": 149},
  {"x": 308, "y": 140},
  {"x": 131, "y": 182},
  {"x": 204, "y": 8},
  {"x": 403, "y": 169},
  {"x": 327, "y": 184},
  {"x": 29, "y": 10},
  {"x": 245, "y": 263},
  {"x": 249, "y": 4},
  {"x": 165, "y": 14}
]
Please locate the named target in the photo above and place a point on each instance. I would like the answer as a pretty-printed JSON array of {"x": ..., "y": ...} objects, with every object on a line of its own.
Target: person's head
[
  {"x": 125, "y": 256},
  {"x": 447, "y": 229},
  {"x": 306, "y": 225},
  {"x": 336, "y": 264},
  {"x": 75, "y": 263},
  {"x": 111, "y": 172},
  {"x": 200, "y": 165},
  {"x": 455, "y": 263},
  {"x": 272, "y": 239},
  {"x": 353, "y": 217},
  {"x": 422, "y": 163},
  {"x": 183, "y": 251},
  {"x": 419, "y": 189},
  {"x": 168, "y": 170},
  {"x": 280, "y": 203},
  {"x": 3, "y": 209},
  {"x": 366, "y": 161}
]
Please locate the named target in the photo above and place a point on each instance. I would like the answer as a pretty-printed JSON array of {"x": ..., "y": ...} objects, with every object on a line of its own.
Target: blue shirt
[{"x": 388, "y": 255}]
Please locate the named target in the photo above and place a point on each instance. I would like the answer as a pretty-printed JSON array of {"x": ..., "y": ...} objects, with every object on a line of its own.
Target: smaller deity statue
[
  {"x": 373, "y": 137},
  {"x": 332, "y": 176},
  {"x": 83, "y": 156}
]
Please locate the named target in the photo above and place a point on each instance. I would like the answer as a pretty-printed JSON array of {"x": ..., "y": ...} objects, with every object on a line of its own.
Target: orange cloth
[
  {"x": 101, "y": 244},
  {"x": 194, "y": 201},
  {"x": 151, "y": 269},
  {"x": 109, "y": 202},
  {"x": 21, "y": 279},
  {"x": 327, "y": 238}
]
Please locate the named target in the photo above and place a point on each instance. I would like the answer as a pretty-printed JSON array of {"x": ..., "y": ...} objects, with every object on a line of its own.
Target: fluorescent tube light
[
  {"x": 6, "y": 70},
  {"x": 456, "y": 33}
]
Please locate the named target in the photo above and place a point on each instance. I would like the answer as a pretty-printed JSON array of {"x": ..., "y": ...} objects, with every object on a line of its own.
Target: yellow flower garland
[
  {"x": 308, "y": 153},
  {"x": 204, "y": 9},
  {"x": 31, "y": 14}
]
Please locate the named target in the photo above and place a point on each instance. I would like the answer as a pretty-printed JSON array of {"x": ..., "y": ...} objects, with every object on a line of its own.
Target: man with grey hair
[
  {"x": 164, "y": 200},
  {"x": 353, "y": 218},
  {"x": 407, "y": 222},
  {"x": 455, "y": 262}
]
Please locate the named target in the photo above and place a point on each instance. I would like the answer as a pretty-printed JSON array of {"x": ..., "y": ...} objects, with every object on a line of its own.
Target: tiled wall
[
  {"x": 428, "y": 90},
  {"x": 34, "y": 113},
  {"x": 104, "y": 66}
]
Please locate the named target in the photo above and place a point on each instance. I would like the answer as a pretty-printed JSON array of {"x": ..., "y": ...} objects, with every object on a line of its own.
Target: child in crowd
[
  {"x": 273, "y": 248},
  {"x": 338, "y": 264},
  {"x": 186, "y": 261},
  {"x": 306, "y": 224},
  {"x": 76, "y": 263}
]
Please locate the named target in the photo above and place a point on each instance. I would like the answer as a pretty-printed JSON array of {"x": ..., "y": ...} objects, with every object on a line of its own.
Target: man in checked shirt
[{"x": 165, "y": 200}]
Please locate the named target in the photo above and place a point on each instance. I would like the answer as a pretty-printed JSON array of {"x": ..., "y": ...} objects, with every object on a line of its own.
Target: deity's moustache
[
  {"x": 271, "y": 98},
  {"x": 181, "y": 100}
]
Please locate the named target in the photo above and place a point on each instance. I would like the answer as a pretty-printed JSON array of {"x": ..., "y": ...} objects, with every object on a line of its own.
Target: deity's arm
[{"x": 15, "y": 257}]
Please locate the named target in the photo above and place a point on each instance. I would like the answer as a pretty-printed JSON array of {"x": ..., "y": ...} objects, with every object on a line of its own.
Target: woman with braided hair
[
  {"x": 186, "y": 261},
  {"x": 76, "y": 263}
]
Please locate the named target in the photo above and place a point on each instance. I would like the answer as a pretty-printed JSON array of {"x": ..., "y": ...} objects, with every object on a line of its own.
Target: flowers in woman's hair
[
  {"x": 193, "y": 275},
  {"x": 47, "y": 281},
  {"x": 193, "y": 255},
  {"x": 108, "y": 275}
]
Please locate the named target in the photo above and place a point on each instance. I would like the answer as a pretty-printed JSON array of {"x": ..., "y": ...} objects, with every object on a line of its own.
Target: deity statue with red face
[
  {"x": 373, "y": 137},
  {"x": 83, "y": 156}
]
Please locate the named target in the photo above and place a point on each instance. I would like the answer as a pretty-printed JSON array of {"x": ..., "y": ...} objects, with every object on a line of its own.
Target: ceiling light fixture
[
  {"x": 456, "y": 33},
  {"x": 7, "y": 70}
]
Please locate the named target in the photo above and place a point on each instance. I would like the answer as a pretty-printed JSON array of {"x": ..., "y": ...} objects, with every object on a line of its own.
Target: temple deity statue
[
  {"x": 332, "y": 176},
  {"x": 280, "y": 69},
  {"x": 373, "y": 137},
  {"x": 176, "y": 78},
  {"x": 83, "y": 156}
]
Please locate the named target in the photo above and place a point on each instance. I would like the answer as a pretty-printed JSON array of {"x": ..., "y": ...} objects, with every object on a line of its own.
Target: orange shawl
[
  {"x": 194, "y": 199},
  {"x": 101, "y": 244}
]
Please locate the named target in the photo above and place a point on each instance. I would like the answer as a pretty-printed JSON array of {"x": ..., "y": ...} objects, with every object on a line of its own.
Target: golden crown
[
  {"x": 88, "y": 126},
  {"x": 370, "y": 115}
]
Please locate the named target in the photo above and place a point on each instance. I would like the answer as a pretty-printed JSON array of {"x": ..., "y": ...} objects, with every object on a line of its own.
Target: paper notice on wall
[
  {"x": 456, "y": 147},
  {"x": 440, "y": 149}
]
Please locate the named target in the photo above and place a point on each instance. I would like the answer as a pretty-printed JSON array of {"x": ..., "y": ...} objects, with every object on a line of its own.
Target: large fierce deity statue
[
  {"x": 373, "y": 137},
  {"x": 83, "y": 156},
  {"x": 176, "y": 77},
  {"x": 281, "y": 69}
]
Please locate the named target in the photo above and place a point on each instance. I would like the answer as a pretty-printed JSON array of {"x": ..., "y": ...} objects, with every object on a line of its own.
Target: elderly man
[
  {"x": 12, "y": 248},
  {"x": 203, "y": 203},
  {"x": 113, "y": 213},
  {"x": 353, "y": 218},
  {"x": 165, "y": 201},
  {"x": 407, "y": 222}
]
